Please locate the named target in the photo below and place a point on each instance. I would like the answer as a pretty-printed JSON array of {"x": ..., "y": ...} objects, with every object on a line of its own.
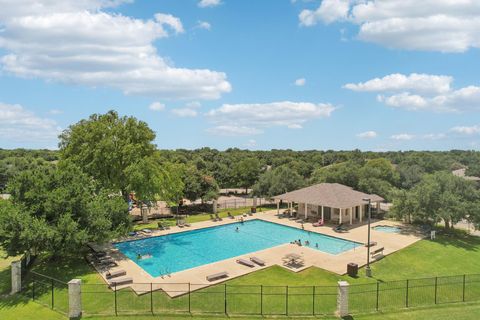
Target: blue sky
[{"x": 331, "y": 74}]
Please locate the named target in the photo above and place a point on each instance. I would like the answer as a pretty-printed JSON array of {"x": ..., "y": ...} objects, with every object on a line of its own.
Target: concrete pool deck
[{"x": 181, "y": 282}]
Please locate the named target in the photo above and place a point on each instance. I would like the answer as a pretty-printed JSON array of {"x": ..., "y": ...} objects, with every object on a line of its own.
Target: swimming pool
[
  {"x": 184, "y": 250},
  {"x": 387, "y": 229}
]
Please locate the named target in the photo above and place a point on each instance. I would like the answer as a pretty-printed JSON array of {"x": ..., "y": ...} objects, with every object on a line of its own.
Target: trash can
[
  {"x": 352, "y": 269},
  {"x": 253, "y": 210}
]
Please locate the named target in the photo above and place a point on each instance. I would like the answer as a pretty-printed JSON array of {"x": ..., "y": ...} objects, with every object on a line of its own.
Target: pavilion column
[
  {"x": 306, "y": 212},
  {"x": 378, "y": 207},
  {"x": 340, "y": 216},
  {"x": 322, "y": 216},
  {"x": 351, "y": 215},
  {"x": 278, "y": 207},
  {"x": 361, "y": 213}
]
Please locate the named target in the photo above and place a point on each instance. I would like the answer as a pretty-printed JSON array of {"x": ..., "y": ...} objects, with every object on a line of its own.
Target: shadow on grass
[{"x": 459, "y": 240}]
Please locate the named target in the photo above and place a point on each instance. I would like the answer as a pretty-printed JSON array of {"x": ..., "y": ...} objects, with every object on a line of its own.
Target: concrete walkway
[{"x": 180, "y": 283}]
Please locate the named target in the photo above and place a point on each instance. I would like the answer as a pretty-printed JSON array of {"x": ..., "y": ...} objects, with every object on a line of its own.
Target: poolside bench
[
  {"x": 246, "y": 263},
  {"x": 217, "y": 276},
  {"x": 376, "y": 252},
  {"x": 120, "y": 281},
  {"x": 258, "y": 261},
  {"x": 115, "y": 273}
]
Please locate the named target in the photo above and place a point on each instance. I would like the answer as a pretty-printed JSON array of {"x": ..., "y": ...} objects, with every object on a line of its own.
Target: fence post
[
  {"x": 342, "y": 299},
  {"x": 115, "y": 291},
  {"x": 225, "y": 297},
  {"x": 286, "y": 300},
  {"x": 16, "y": 273},
  {"x": 261, "y": 299},
  {"x": 151, "y": 297},
  {"x": 378, "y": 289},
  {"x": 463, "y": 289},
  {"x": 74, "y": 298},
  {"x": 436, "y": 282},
  {"x": 313, "y": 300},
  {"x": 53, "y": 293},
  {"x": 189, "y": 298},
  {"x": 406, "y": 296}
]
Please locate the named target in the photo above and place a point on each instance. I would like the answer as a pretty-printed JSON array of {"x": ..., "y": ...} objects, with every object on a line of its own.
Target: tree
[
  {"x": 105, "y": 145},
  {"x": 277, "y": 181},
  {"x": 199, "y": 185},
  {"x": 246, "y": 172},
  {"x": 57, "y": 210},
  {"x": 346, "y": 173},
  {"x": 440, "y": 196}
]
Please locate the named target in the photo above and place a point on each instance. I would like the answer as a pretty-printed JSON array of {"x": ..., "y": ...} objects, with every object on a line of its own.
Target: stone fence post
[
  {"x": 342, "y": 299},
  {"x": 74, "y": 298},
  {"x": 16, "y": 276}
]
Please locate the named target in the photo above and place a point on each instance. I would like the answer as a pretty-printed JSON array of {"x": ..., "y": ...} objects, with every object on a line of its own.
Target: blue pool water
[
  {"x": 185, "y": 250},
  {"x": 387, "y": 229}
]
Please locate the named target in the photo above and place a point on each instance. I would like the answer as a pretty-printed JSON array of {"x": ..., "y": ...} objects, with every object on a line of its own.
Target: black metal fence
[
  {"x": 391, "y": 295},
  {"x": 188, "y": 298},
  {"x": 47, "y": 291}
]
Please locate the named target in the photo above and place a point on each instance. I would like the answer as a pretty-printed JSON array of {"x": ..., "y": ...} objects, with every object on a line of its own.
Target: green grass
[
  {"x": 443, "y": 257},
  {"x": 153, "y": 224}
]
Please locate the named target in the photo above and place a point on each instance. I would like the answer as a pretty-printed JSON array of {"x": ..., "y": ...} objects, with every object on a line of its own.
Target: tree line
[{"x": 80, "y": 192}]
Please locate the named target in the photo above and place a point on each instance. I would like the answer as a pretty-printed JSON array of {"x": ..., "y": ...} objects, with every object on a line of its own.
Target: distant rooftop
[{"x": 461, "y": 173}]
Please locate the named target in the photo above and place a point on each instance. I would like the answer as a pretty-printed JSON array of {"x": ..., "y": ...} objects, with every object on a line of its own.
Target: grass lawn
[
  {"x": 5, "y": 272},
  {"x": 443, "y": 257}
]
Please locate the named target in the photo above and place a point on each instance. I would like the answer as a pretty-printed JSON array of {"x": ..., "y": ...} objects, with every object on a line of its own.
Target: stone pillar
[
  {"x": 342, "y": 299},
  {"x": 340, "y": 216},
  {"x": 144, "y": 211},
  {"x": 361, "y": 212},
  {"x": 351, "y": 214},
  {"x": 378, "y": 207},
  {"x": 214, "y": 206},
  {"x": 278, "y": 206},
  {"x": 255, "y": 202},
  {"x": 322, "y": 216},
  {"x": 74, "y": 298},
  {"x": 16, "y": 276}
]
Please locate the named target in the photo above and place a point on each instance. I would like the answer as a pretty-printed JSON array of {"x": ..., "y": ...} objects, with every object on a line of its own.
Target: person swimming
[
  {"x": 307, "y": 243},
  {"x": 237, "y": 229}
]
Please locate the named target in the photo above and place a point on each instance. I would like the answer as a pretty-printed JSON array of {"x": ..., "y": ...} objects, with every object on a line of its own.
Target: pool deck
[{"x": 179, "y": 283}]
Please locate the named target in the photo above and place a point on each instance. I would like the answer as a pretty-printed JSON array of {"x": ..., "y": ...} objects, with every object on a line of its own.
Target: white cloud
[
  {"x": 171, "y": 21},
  {"x": 367, "y": 135},
  {"x": 209, "y": 3},
  {"x": 21, "y": 125},
  {"x": 156, "y": 106},
  {"x": 193, "y": 104},
  {"x": 184, "y": 112},
  {"x": 421, "y": 92},
  {"x": 233, "y": 130},
  {"x": 434, "y": 136},
  {"x": 264, "y": 115},
  {"x": 204, "y": 25},
  {"x": 328, "y": 12},
  {"x": 300, "y": 82},
  {"x": 76, "y": 42},
  {"x": 466, "y": 130},
  {"x": 394, "y": 82},
  {"x": 433, "y": 25},
  {"x": 402, "y": 136}
]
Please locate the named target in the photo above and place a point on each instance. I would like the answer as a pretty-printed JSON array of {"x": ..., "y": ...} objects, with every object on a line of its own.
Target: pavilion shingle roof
[{"x": 332, "y": 195}]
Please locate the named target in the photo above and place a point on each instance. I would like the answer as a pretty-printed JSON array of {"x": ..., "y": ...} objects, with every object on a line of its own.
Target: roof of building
[{"x": 332, "y": 195}]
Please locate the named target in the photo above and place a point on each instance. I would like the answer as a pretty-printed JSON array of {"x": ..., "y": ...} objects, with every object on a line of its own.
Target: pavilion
[{"x": 332, "y": 202}]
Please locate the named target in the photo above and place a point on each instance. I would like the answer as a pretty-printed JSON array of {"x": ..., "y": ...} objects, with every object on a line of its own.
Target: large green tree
[
  {"x": 199, "y": 185},
  {"x": 105, "y": 145},
  {"x": 247, "y": 172},
  {"x": 439, "y": 197},
  {"x": 277, "y": 181},
  {"x": 58, "y": 210}
]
